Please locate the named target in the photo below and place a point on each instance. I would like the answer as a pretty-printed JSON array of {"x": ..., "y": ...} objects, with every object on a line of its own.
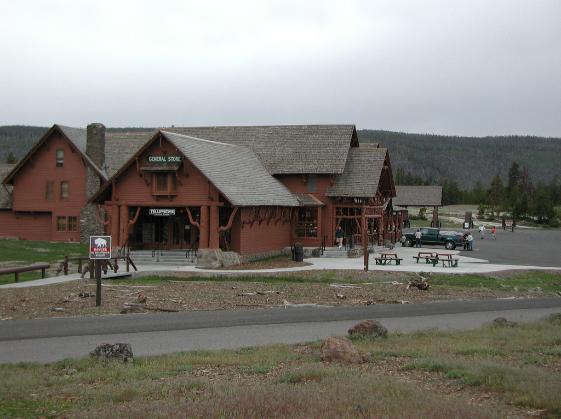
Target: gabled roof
[
  {"x": 418, "y": 196},
  {"x": 235, "y": 171},
  {"x": 287, "y": 149},
  {"x": 362, "y": 174},
  {"x": 5, "y": 190},
  {"x": 76, "y": 136}
]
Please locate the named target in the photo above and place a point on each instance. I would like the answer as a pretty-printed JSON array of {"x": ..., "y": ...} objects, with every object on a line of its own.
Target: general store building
[{"x": 252, "y": 190}]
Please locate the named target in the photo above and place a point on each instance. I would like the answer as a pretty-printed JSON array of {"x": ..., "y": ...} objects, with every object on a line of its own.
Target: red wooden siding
[
  {"x": 297, "y": 183},
  {"x": 29, "y": 193},
  {"x": 25, "y": 225},
  {"x": 131, "y": 189},
  {"x": 259, "y": 238}
]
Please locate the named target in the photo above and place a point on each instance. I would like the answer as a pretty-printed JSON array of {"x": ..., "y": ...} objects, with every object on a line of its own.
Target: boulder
[
  {"x": 113, "y": 351},
  {"x": 231, "y": 259},
  {"x": 503, "y": 322},
  {"x": 368, "y": 328},
  {"x": 355, "y": 252},
  {"x": 341, "y": 349},
  {"x": 209, "y": 258}
]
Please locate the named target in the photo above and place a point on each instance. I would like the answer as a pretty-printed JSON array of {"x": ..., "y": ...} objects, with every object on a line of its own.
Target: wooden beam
[{"x": 230, "y": 221}]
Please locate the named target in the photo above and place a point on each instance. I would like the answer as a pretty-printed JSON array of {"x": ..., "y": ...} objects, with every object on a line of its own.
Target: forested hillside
[
  {"x": 433, "y": 158},
  {"x": 467, "y": 160}
]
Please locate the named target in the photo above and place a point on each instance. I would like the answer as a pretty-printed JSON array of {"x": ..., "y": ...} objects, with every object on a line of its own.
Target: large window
[
  {"x": 49, "y": 190},
  {"x": 64, "y": 190},
  {"x": 60, "y": 223},
  {"x": 59, "y": 157},
  {"x": 307, "y": 222}
]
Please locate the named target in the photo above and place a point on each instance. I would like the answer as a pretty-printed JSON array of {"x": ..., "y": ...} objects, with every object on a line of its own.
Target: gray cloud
[{"x": 465, "y": 67}]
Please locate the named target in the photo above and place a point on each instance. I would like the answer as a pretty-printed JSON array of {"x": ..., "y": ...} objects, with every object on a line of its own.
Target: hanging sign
[
  {"x": 164, "y": 159},
  {"x": 162, "y": 212},
  {"x": 100, "y": 247}
]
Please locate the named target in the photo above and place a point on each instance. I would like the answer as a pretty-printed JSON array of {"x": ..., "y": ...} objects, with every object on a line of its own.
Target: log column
[
  {"x": 114, "y": 228},
  {"x": 123, "y": 225},
  {"x": 204, "y": 226},
  {"x": 214, "y": 237}
]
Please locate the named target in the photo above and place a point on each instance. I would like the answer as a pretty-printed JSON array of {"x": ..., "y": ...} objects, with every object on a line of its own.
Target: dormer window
[
  {"x": 59, "y": 157},
  {"x": 164, "y": 183}
]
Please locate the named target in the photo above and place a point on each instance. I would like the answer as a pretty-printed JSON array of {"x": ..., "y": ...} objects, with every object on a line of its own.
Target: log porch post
[
  {"x": 203, "y": 229},
  {"x": 123, "y": 224},
  {"x": 214, "y": 237},
  {"x": 115, "y": 224}
]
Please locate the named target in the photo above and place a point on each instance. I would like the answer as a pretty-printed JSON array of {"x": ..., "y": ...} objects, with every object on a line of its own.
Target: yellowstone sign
[{"x": 100, "y": 247}]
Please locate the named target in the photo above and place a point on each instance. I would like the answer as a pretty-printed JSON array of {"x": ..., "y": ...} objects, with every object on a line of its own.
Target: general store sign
[
  {"x": 162, "y": 212},
  {"x": 100, "y": 247},
  {"x": 164, "y": 159}
]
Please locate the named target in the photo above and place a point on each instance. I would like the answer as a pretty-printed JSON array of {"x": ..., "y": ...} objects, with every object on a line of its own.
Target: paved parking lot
[{"x": 522, "y": 247}]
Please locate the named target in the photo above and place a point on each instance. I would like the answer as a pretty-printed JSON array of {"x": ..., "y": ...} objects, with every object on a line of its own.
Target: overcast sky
[{"x": 474, "y": 67}]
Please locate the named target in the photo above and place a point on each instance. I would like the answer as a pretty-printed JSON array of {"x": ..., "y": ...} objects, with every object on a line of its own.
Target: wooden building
[
  {"x": 253, "y": 190},
  {"x": 418, "y": 196}
]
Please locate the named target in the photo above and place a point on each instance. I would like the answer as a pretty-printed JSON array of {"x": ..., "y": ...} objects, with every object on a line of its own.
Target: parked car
[{"x": 450, "y": 239}]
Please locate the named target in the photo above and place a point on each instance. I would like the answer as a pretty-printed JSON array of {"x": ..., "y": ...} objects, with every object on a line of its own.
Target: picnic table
[
  {"x": 387, "y": 258},
  {"x": 448, "y": 259},
  {"x": 429, "y": 257}
]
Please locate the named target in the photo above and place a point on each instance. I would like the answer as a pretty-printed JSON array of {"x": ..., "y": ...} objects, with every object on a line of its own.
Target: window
[
  {"x": 307, "y": 222},
  {"x": 72, "y": 223},
  {"x": 60, "y": 223},
  {"x": 164, "y": 183},
  {"x": 59, "y": 157},
  {"x": 64, "y": 190},
  {"x": 161, "y": 182},
  {"x": 49, "y": 190}
]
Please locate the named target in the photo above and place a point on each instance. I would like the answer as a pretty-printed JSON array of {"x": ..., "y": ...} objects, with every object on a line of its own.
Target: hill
[
  {"x": 468, "y": 159},
  {"x": 465, "y": 160}
]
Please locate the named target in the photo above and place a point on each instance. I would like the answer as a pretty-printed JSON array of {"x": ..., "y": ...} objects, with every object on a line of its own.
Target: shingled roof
[
  {"x": 418, "y": 196},
  {"x": 78, "y": 138},
  {"x": 235, "y": 171},
  {"x": 120, "y": 146},
  {"x": 287, "y": 149},
  {"x": 5, "y": 190},
  {"x": 362, "y": 174}
]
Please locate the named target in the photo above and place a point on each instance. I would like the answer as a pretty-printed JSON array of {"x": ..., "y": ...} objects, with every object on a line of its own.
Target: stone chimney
[
  {"x": 95, "y": 143},
  {"x": 95, "y": 149}
]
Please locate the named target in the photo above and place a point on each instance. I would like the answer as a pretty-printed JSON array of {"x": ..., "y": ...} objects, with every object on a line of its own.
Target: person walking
[
  {"x": 494, "y": 232},
  {"x": 418, "y": 238},
  {"x": 470, "y": 242},
  {"x": 482, "y": 232},
  {"x": 339, "y": 235}
]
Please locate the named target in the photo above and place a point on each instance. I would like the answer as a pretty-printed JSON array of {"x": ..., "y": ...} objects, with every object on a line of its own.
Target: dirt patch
[{"x": 340, "y": 288}]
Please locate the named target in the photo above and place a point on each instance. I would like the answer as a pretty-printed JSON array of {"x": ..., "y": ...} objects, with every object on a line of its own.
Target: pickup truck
[{"x": 450, "y": 239}]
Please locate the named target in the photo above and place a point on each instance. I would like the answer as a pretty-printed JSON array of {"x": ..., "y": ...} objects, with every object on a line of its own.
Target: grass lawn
[
  {"x": 491, "y": 372},
  {"x": 25, "y": 252},
  {"x": 30, "y": 251}
]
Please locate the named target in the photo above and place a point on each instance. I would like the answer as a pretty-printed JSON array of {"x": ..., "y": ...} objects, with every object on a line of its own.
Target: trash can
[{"x": 298, "y": 253}]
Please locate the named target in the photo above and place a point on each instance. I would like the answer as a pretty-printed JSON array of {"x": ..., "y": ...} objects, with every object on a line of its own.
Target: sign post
[{"x": 100, "y": 249}]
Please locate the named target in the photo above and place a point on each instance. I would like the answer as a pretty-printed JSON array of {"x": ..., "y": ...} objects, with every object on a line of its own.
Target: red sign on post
[{"x": 100, "y": 247}]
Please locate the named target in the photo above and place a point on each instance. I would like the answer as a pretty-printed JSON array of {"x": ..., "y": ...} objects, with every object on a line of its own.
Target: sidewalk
[{"x": 466, "y": 265}]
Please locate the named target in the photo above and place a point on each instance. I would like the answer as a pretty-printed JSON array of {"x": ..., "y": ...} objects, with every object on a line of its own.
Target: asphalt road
[
  {"x": 47, "y": 340},
  {"x": 534, "y": 247}
]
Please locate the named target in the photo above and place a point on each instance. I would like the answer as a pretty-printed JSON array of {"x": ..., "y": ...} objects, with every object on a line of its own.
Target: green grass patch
[
  {"x": 528, "y": 281},
  {"x": 30, "y": 251}
]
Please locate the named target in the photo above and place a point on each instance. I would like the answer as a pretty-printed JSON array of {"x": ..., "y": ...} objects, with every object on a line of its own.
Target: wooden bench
[{"x": 30, "y": 268}]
